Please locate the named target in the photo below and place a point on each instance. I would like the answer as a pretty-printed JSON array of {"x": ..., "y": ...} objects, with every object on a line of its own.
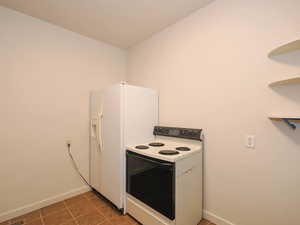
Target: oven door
[{"x": 151, "y": 181}]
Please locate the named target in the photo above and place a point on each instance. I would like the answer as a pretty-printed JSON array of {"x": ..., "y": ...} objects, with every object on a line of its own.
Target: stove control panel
[{"x": 186, "y": 133}]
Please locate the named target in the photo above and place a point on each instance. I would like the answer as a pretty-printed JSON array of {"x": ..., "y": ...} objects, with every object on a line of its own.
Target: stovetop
[{"x": 167, "y": 148}]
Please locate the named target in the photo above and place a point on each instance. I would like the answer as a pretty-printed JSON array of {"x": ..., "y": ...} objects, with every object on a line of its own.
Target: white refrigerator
[{"x": 120, "y": 115}]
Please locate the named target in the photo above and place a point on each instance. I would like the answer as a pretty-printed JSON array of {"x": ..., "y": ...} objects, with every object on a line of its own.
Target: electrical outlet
[
  {"x": 68, "y": 142},
  {"x": 250, "y": 141}
]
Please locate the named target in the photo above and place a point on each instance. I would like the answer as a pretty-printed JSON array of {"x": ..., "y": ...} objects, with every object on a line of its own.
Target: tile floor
[{"x": 84, "y": 209}]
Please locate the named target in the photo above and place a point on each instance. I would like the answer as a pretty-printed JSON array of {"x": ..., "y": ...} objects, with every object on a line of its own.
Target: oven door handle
[{"x": 149, "y": 160}]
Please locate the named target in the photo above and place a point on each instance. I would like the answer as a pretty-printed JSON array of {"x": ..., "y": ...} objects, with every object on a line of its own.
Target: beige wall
[
  {"x": 46, "y": 74},
  {"x": 212, "y": 72}
]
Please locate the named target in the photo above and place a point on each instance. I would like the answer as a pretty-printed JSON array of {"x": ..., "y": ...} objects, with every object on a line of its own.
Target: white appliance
[
  {"x": 120, "y": 115},
  {"x": 164, "y": 178}
]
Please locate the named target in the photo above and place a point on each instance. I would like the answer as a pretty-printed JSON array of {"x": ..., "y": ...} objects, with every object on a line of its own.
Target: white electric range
[{"x": 164, "y": 178}]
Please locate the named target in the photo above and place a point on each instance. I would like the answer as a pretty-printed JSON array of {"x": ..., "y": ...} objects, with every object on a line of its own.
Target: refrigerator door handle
[
  {"x": 95, "y": 130},
  {"x": 99, "y": 130}
]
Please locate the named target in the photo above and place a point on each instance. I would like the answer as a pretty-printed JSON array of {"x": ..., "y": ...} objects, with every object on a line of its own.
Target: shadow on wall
[
  {"x": 290, "y": 92},
  {"x": 291, "y": 58},
  {"x": 293, "y": 135}
]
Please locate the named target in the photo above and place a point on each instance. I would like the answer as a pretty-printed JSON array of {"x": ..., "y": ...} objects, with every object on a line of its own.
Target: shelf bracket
[{"x": 289, "y": 123}]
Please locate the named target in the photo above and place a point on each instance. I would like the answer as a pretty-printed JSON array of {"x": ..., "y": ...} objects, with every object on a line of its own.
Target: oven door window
[{"x": 152, "y": 181}]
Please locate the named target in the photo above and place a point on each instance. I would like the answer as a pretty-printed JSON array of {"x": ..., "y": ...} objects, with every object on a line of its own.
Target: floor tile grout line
[
  {"x": 42, "y": 218},
  {"x": 67, "y": 207},
  {"x": 98, "y": 210},
  {"x": 106, "y": 218},
  {"x": 53, "y": 212},
  {"x": 76, "y": 217},
  {"x": 104, "y": 221},
  {"x": 89, "y": 200}
]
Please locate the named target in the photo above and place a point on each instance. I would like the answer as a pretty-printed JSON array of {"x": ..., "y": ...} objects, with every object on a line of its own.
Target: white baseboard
[
  {"x": 40, "y": 204},
  {"x": 215, "y": 219}
]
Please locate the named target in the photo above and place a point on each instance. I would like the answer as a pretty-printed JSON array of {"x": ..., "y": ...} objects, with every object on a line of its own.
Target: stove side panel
[{"x": 189, "y": 190}]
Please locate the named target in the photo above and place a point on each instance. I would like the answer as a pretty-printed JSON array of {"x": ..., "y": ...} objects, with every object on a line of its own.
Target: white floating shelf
[
  {"x": 289, "y": 120},
  {"x": 291, "y": 117},
  {"x": 289, "y": 81},
  {"x": 285, "y": 48}
]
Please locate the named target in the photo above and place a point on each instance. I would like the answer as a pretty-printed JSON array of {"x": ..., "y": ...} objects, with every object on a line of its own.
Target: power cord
[{"x": 75, "y": 165}]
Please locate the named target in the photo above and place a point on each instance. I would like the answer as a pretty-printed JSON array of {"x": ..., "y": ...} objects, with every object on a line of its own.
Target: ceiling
[{"x": 122, "y": 23}]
